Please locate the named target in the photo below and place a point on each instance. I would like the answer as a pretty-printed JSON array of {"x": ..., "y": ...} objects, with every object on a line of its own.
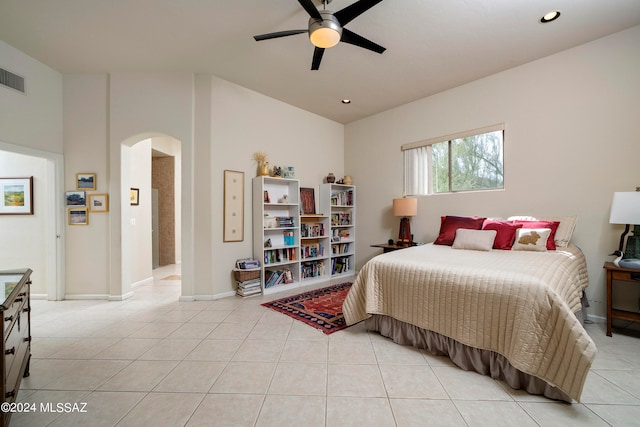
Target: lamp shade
[
  {"x": 625, "y": 208},
  {"x": 405, "y": 207}
]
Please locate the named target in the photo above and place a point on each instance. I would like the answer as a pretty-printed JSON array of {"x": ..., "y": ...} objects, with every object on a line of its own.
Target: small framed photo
[
  {"x": 134, "y": 196},
  {"x": 308, "y": 201},
  {"x": 75, "y": 198},
  {"x": 78, "y": 216},
  {"x": 98, "y": 203},
  {"x": 17, "y": 196},
  {"x": 85, "y": 181}
]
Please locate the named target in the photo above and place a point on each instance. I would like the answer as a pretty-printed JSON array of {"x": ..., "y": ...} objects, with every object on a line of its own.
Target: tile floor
[{"x": 154, "y": 361}]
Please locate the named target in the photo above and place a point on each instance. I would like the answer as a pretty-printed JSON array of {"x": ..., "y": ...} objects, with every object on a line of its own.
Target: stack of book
[
  {"x": 285, "y": 222},
  {"x": 249, "y": 288}
]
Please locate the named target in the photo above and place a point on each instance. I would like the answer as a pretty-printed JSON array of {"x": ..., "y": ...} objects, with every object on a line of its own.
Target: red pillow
[
  {"x": 449, "y": 225},
  {"x": 506, "y": 233},
  {"x": 553, "y": 225}
]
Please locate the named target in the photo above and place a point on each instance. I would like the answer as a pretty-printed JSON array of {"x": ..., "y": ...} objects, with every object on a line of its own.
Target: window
[{"x": 466, "y": 161}]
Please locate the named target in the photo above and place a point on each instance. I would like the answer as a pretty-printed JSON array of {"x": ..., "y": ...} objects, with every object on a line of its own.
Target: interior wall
[
  {"x": 571, "y": 131},
  {"x": 23, "y": 235},
  {"x": 243, "y": 122},
  {"x": 139, "y": 224},
  {"x": 32, "y": 119}
]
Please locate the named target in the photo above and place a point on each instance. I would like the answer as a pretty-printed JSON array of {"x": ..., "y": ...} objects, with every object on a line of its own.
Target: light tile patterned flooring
[{"x": 154, "y": 361}]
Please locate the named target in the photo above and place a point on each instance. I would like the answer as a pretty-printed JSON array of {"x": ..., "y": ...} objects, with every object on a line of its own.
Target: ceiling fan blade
[
  {"x": 350, "y": 12},
  {"x": 310, "y": 8},
  {"x": 357, "y": 40},
  {"x": 317, "y": 57},
  {"x": 279, "y": 34}
]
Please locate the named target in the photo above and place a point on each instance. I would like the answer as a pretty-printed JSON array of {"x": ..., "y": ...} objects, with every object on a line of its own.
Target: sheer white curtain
[{"x": 416, "y": 171}]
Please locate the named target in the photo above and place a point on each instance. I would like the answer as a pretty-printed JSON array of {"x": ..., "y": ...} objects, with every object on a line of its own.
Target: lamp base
[
  {"x": 632, "y": 250},
  {"x": 404, "y": 237}
]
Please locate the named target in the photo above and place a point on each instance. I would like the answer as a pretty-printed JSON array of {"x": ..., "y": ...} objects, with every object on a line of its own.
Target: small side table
[
  {"x": 388, "y": 248},
  {"x": 623, "y": 275}
]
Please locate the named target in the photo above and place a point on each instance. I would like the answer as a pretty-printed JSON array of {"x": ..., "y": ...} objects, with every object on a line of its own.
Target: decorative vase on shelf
[
  {"x": 347, "y": 180},
  {"x": 331, "y": 178},
  {"x": 264, "y": 169}
]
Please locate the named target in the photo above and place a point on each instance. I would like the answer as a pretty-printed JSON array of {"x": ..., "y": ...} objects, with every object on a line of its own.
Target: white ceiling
[{"x": 432, "y": 45}]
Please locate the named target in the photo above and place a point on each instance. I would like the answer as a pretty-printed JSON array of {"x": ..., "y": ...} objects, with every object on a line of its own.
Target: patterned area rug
[{"x": 321, "y": 308}]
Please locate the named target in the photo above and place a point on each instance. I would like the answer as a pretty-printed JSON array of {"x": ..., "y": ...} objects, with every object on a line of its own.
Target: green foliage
[{"x": 476, "y": 163}]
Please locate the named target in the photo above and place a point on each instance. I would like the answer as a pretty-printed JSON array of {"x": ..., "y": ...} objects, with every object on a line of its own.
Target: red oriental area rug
[{"x": 321, "y": 308}]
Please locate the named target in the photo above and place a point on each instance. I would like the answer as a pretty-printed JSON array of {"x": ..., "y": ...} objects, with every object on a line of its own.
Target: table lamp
[
  {"x": 625, "y": 209},
  {"x": 405, "y": 208}
]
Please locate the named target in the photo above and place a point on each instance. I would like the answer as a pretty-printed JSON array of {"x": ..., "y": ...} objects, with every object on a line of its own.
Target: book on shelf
[
  {"x": 342, "y": 198},
  {"x": 312, "y": 250},
  {"x": 274, "y": 256},
  {"x": 289, "y": 239},
  {"x": 339, "y": 265},
  {"x": 312, "y": 269},
  {"x": 312, "y": 230},
  {"x": 276, "y": 277},
  {"x": 341, "y": 248}
]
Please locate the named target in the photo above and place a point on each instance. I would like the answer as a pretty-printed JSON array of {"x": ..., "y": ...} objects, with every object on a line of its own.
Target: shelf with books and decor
[
  {"x": 339, "y": 202},
  {"x": 276, "y": 232},
  {"x": 314, "y": 248}
]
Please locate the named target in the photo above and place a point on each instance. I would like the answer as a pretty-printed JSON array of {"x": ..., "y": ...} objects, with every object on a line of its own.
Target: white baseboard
[
  {"x": 86, "y": 296},
  {"x": 596, "y": 319},
  {"x": 147, "y": 281},
  {"x": 209, "y": 297},
  {"x": 120, "y": 297}
]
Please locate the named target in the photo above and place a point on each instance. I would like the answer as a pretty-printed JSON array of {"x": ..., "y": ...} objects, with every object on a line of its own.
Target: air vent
[{"x": 14, "y": 81}]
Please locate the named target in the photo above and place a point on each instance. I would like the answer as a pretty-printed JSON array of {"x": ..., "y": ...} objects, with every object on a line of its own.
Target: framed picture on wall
[
  {"x": 234, "y": 206},
  {"x": 85, "y": 181},
  {"x": 17, "y": 196},
  {"x": 98, "y": 203},
  {"x": 75, "y": 198},
  {"x": 134, "y": 196},
  {"x": 78, "y": 216}
]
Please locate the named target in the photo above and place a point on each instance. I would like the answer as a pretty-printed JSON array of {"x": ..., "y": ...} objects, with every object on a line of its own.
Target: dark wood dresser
[{"x": 16, "y": 328}]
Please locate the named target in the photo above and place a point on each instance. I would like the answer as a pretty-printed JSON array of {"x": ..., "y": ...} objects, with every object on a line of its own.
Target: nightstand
[
  {"x": 622, "y": 275},
  {"x": 388, "y": 248}
]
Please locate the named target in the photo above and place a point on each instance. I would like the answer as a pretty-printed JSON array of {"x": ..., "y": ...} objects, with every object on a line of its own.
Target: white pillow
[
  {"x": 531, "y": 239},
  {"x": 565, "y": 229},
  {"x": 476, "y": 240}
]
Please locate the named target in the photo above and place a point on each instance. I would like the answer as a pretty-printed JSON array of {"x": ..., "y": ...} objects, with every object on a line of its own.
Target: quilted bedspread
[{"x": 519, "y": 304}]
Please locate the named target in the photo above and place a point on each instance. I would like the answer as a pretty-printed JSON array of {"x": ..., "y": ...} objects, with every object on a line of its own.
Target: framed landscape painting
[
  {"x": 17, "y": 196},
  {"x": 85, "y": 181},
  {"x": 75, "y": 198},
  {"x": 78, "y": 216}
]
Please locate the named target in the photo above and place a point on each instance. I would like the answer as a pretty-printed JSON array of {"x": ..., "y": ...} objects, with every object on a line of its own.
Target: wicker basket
[{"x": 244, "y": 275}]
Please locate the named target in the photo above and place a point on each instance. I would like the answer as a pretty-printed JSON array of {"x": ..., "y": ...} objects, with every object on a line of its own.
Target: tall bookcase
[
  {"x": 276, "y": 232},
  {"x": 315, "y": 248},
  {"x": 339, "y": 202}
]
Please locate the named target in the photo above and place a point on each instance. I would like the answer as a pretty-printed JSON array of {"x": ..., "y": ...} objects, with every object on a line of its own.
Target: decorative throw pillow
[
  {"x": 531, "y": 239},
  {"x": 552, "y": 225},
  {"x": 449, "y": 225},
  {"x": 506, "y": 233},
  {"x": 475, "y": 240},
  {"x": 565, "y": 229}
]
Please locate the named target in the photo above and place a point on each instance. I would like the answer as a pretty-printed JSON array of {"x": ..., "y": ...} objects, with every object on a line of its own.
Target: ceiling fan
[{"x": 326, "y": 28}]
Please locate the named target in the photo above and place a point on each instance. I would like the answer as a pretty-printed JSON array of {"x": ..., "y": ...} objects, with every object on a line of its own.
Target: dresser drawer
[
  {"x": 626, "y": 276},
  {"x": 10, "y": 314},
  {"x": 17, "y": 346}
]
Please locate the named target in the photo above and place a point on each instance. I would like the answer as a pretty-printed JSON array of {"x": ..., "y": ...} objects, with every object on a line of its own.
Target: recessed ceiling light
[
  {"x": 551, "y": 16},
  {"x": 346, "y": 101}
]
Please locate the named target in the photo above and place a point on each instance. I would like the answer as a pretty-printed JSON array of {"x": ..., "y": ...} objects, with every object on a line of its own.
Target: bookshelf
[
  {"x": 338, "y": 201},
  {"x": 315, "y": 248},
  {"x": 276, "y": 232}
]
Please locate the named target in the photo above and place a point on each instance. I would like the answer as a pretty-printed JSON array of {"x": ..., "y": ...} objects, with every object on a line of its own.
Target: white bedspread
[{"x": 516, "y": 303}]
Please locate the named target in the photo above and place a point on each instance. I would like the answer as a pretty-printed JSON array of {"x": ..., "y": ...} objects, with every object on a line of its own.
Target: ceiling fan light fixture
[{"x": 326, "y": 32}]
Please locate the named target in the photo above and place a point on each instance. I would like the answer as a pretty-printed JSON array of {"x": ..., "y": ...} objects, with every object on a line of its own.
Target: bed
[{"x": 513, "y": 315}]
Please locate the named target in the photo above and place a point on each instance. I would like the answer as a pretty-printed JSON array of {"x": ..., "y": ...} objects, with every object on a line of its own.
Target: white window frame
[{"x": 425, "y": 187}]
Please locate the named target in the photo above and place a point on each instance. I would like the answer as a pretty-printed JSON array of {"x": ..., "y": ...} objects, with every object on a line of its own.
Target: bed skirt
[{"x": 468, "y": 358}]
